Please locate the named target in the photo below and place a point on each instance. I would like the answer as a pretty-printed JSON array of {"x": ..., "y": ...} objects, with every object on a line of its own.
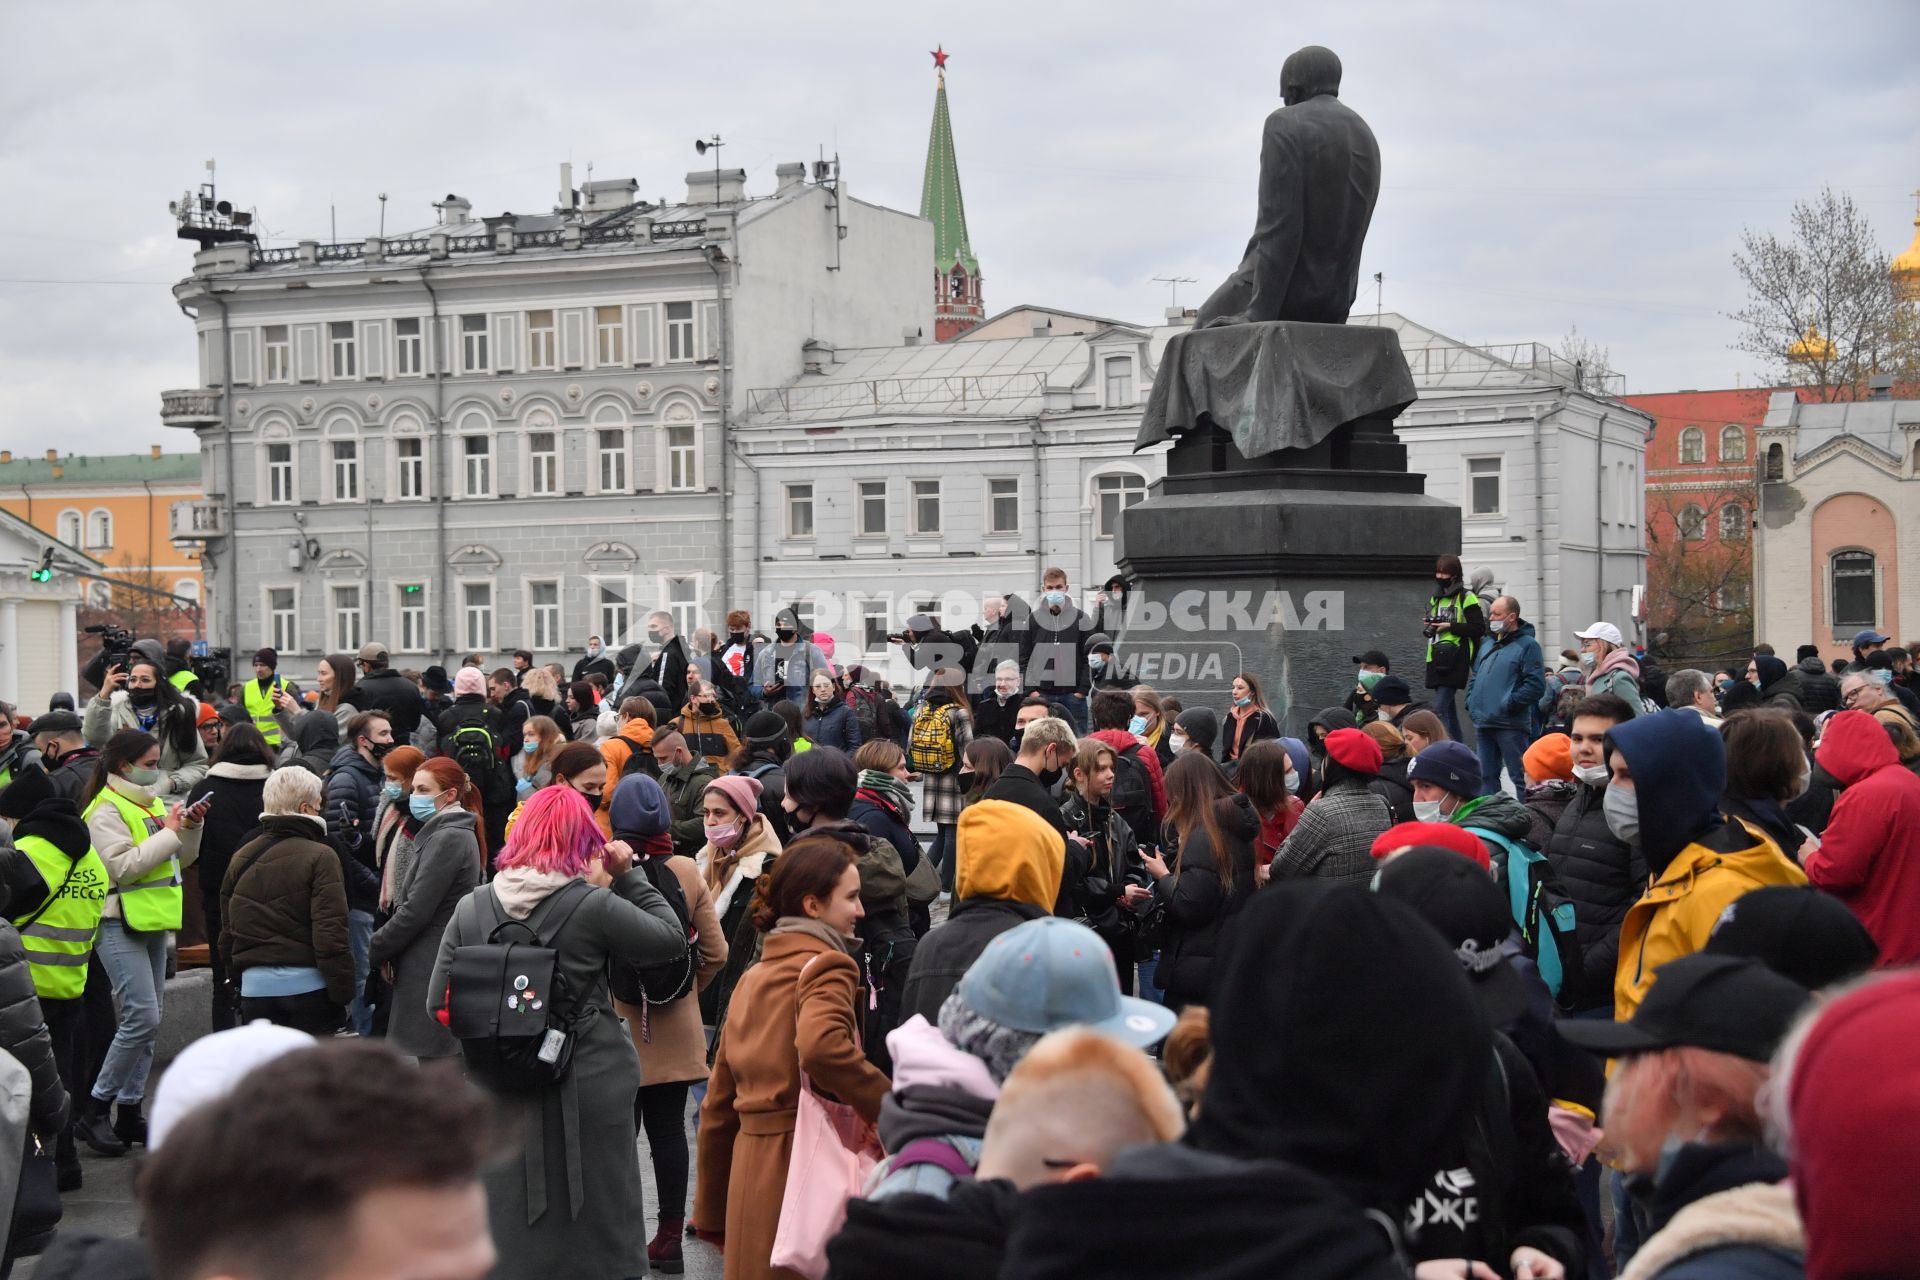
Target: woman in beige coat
[{"x": 668, "y": 1037}]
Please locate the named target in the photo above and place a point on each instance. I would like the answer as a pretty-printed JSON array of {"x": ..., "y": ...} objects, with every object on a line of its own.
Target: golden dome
[
  {"x": 1906, "y": 267},
  {"x": 1811, "y": 348}
]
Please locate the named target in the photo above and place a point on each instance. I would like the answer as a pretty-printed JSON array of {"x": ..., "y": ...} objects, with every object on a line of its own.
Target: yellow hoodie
[{"x": 1009, "y": 852}]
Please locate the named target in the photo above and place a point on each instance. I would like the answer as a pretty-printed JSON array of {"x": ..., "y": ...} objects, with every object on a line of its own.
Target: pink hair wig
[{"x": 554, "y": 832}]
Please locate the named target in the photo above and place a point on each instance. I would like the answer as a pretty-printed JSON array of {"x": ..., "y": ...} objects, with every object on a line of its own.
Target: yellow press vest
[
  {"x": 181, "y": 679},
  {"x": 154, "y": 901},
  {"x": 61, "y": 935},
  {"x": 260, "y": 707}
]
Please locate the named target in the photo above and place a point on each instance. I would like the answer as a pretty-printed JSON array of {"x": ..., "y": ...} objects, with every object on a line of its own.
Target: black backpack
[
  {"x": 864, "y": 703},
  {"x": 473, "y": 747},
  {"x": 507, "y": 1002},
  {"x": 1132, "y": 796},
  {"x": 669, "y": 980}
]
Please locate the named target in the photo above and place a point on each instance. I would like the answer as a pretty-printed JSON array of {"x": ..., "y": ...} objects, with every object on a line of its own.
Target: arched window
[
  {"x": 1693, "y": 524},
  {"x": 1733, "y": 443},
  {"x": 99, "y": 529},
  {"x": 1776, "y": 462},
  {"x": 187, "y": 588},
  {"x": 1693, "y": 445},
  {"x": 1853, "y": 590},
  {"x": 69, "y": 528},
  {"x": 1733, "y": 523}
]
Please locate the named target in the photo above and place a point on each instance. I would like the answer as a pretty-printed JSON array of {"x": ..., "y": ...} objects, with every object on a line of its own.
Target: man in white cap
[{"x": 1610, "y": 664}]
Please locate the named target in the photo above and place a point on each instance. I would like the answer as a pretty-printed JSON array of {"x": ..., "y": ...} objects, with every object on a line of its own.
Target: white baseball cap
[
  {"x": 1602, "y": 631},
  {"x": 211, "y": 1066}
]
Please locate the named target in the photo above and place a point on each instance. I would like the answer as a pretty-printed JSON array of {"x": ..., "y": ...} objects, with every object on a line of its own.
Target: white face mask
[
  {"x": 1622, "y": 810},
  {"x": 1293, "y": 782},
  {"x": 1178, "y": 741},
  {"x": 1428, "y": 811},
  {"x": 1594, "y": 775}
]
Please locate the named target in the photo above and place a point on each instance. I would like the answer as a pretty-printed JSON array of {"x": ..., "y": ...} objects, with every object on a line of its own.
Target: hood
[
  {"x": 1772, "y": 670},
  {"x": 153, "y": 651},
  {"x": 316, "y": 733},
  {"x": 348, "y": 758},
  {"x": 1009, "y": 852},
  {"x": 1812, "y": 665},
  {"x": 57, "y": 821},
  {"x": 1853, "y": 746},
  {"x": 1364, "y": 1065},
  {"x": 624, "y": 660},
  {"x": 1297, "y": 752},
  {"x": 639, "y": 806},
  {"x": 923, "y": 1058},
  {"x": 1525, "y": 629},
  {"x": 1679, "y": 769},
  {"x": 1499, "y": 813},
  {"x": 1333, "y": 718},
  {"x": 1619, "y": 660}
]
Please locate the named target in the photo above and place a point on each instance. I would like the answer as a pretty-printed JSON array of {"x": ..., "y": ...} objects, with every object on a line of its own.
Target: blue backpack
[{"x": 1542, "y": 910}]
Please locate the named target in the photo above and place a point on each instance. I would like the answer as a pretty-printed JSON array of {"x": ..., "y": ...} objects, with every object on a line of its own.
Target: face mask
[
  {"x": 1097, "y": 662},
  {"x": 380, "y": 749},
  {"x": 1015, "y": 740},
  {"x": 964, "y": 779},
  {"x": 593, "y": 797},
  {"x": 1116, "y": 596},
  {"x": 593, "y": 651},
  {"x": 1805, "y": 781},
  {"x": 143, "y": 777},
  {"x": 1428, "y": 811},
  {"x": 1593, "y": 775},
  {"x": 785, "y": 634},
  {"x": 1588, "y": 659},
  {"x": 1293, "y": 782},
  {"x": 724, "y": 836},
  {"x": 1441, "y": 582},
  {"x": 1137, "y": 726},
  {"x": 1178, "y": 741},
  {"x": 1496, "y": 625},
  {"x": 1622, "y": 811},
  {"x": 1368, "y": 679},
  {"x": 422, "y": 807},
  {"x": 530, "y": 747},
  {"x": 392, "y": 790},
  {"x": 1055, "y": 599},
  {"x": 1050, "y": 778},
  {"x": 1243, "y": 702},
  {"x": 654, "y": 637},
  {"x": 143, "y": 697}
]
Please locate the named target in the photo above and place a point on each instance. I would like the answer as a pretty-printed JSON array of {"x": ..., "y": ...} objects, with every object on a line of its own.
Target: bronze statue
[{"x": 1319, "y": 179}]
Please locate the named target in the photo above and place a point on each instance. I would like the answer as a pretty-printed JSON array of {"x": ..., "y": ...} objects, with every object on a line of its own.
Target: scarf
[
  {"x": 521, "y": 889},
  {"x": 883, "y": 788},
  {"x": 657, "y": 845},
  {"x": 815, "y": 929}
]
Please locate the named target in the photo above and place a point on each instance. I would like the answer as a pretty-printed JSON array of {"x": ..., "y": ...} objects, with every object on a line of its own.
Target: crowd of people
[{"x": 1024, "y": 970}]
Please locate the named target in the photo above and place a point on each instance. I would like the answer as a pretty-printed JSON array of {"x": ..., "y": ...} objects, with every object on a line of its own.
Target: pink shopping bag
[{"x": 834, "y": 1150}]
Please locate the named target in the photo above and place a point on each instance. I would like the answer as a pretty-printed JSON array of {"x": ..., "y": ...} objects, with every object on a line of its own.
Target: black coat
[
  {"x": 70, "y": 776},
  {"x": 395, "y": 696},
  {"x": 1199, "y": 907},
  {"x": 1004, "y": 641},
  {"x": 993, "y": 718},
  {"x": 1020, "y": 785},
  {"x": 1767, "y": 817},
  {"x": 962, "y": 1237},
  {"x": 945, "y": 954},
  {"x": 1111, "y": 864},
  {"x": 1392, "y": 786},
  {"x": 1057, "y": 650},
  {"x": 353, "y": 795},
  {"x": 669, "y": 668},
  {"x": 584, "y": 669},
  {"x": 1604, "y": 877},
  {"x": 233, "y": 819},
  {"x": 1237, "y": 735}
]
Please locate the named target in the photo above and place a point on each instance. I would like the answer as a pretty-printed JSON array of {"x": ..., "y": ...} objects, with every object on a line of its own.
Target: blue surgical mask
[
  {"x": 1621, "y": 809},
  {"x": 143, "y": 777},
  {"x": 1495, "y": 626},
  {"x": 1137, "y": 726},
  {"x": 1096, "y": 661},
  {"x": 1243, "y": 702},
  {"x": 1056, "y": 598},
  {"x": 529, "y": 747},
  {"x": 422, "y": 807},
  {"x": 392, "y": 790}
]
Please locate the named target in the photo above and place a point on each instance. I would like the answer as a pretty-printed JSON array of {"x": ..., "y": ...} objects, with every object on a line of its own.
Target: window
[
  {"x": 283, "y": 612},
  {"x": 413, "y": 617},
  {"x": 1693, "y": 445},
  {"x": 479, "y": 456},
  {"x": 682, "y": 457},
  {"x": 69, "y": 527},
  {"x": 1733, "y": 444},
  {"x": 609, "y": 336},
  {"x": 280, "y": 474},
  {"x": 1003, "y": 506},
  {"x": 279, "y": 352},
  {"x": 340, "y": 344},
  {"x": 1486, "y": 485},
  {"x": 799, "y": 511},
  {"x": 347, "y": 619},
  {"x": 875, "y": 622},
  {"x": 1853, "y": 590},
  {"x": 803, "y": 613},
  {"x": 1112, "y": 495},
  {"x": 543, "y": 605},
  {"x": 99, "y": 530},
  {"x": 410, "y": 456},
  {"x": 1119, "y": 375},
  {"x": 1776, "y": 462},
  {"x": 187, "y": 589},
  {"x": 473, "y": 344},
  {"x": 1734, "y": 597},
  {"x": 873, "y": 508},
  {"x": 613, "y": 460},
  {"x": 346, "y": 472},
  {"x": 543, "y": 463},
  {"x": 614, "y": 610},
  {"x": 683, "y": 602},
  {"x": 679, "y": 331},
  {"x": 1733, "y": 523},
  {"x": 1693, "y": 524},
  {"x": 925, "y": 507},
  {"x": 476, "y": 600},
  {"x": 540, "y": 340},
  {"x": 407, "y": 358}
]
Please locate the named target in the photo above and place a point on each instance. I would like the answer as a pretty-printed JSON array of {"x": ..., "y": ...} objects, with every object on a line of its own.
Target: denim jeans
[
  {"x": 1498, "y": 747},
  {"x": 1444, "y": 700},
  {"x": 945, "y": 853},
  {"x": 136, "y": 964},
  {"x": 359, "y": 938}
]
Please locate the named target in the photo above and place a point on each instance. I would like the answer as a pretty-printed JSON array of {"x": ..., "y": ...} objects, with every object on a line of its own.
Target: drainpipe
[
  {"x": 753, "y": 556},
  {"x": 440, "y": 490},
  {"x": 715, "y": 257},
  {"x": 1540, "y": 515},
  {"x": 1040, "y": 489},
  {"x": 1599, "y": 514}
]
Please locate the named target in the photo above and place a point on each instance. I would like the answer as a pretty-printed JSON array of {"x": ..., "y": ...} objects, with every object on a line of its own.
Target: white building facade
[
  {"x": 39, "y": 621},
  {"x": 510, "y": 433}
]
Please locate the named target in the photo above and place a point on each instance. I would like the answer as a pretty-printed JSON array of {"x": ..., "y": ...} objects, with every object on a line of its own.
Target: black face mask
[
  {"x": 965, "y": 779},
  {"x": 1014, "y": 741},
  {"x": 378, "y": 750},
  {"x": 143, "y": 697},
  {"x": 784, "y": 634},
  {"x": 737, "y": 637},
  {"x": 1050, "y": 778}
]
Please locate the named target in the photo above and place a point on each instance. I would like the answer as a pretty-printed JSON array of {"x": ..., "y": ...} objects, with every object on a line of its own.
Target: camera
[
  {"x": 212, "y": 670},
  {"x": 116, "y": 643}
]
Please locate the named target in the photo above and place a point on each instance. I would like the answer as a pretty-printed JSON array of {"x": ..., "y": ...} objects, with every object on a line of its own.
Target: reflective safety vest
[
  {"x": 59, "y": 935},
  {"x": 154, "y": 901},
  {"x": 181, "y": 679},
  {"x": 260, "y": 707}
]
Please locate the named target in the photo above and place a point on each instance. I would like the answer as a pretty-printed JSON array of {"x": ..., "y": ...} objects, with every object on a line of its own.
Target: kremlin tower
[{"x": 956, "y": 272}]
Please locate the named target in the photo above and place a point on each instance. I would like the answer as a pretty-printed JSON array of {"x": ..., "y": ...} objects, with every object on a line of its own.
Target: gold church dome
[
  {"x": 1810, "y": 348},
  {"x": 1906, "y": 267}
]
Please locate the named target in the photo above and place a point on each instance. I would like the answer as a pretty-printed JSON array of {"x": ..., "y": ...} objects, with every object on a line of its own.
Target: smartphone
[{"x": 198, "y": 809}]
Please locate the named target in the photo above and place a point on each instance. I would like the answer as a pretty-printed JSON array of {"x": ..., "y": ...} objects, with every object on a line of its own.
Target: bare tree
[
  {"x": 1831, "y": 276},
  {"x": 1592, "y": 363},
  {"x": 1700, "y": 579}
]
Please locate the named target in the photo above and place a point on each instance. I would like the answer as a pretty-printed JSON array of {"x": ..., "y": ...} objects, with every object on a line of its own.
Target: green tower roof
[{"x": 940, "y": 201}]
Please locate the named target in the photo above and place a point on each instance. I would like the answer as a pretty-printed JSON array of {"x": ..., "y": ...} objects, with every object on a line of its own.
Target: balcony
[
  {"x": 196, "y": 407},
  {"x": 194, "y": 522}
]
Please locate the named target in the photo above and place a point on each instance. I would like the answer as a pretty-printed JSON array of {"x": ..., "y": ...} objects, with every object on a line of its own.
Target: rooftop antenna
[
  {"x": 1379, "y": 293},
  {"x": 1173, "y": 284},
  {"x": 713, "y": 144},
  {"x": 383, "y": 215}
]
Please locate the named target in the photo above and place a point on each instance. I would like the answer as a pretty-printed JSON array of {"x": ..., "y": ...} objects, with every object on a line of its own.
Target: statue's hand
[{"x": 1217, "y": 321}]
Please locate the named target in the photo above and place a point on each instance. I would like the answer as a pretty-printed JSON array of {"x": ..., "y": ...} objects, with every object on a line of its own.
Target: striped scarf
[{"x": 880, "y": 785}]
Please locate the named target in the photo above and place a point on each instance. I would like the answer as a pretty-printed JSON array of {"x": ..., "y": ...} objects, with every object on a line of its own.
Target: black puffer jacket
[
  {"x": 352, "y": 797},
  {"x": 945, "y": 954},
  {"x": 1199, "y": 907},
  {"x": 1392, "y": 786},
  {"x": 1605, "y": 877},
  {"x": 1818, "y": 690}
]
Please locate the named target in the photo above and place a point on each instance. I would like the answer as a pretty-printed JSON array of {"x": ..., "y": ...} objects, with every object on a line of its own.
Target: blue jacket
[
  {"x": 1508, "y": 679},
  {"x": 837, "y": 728}
]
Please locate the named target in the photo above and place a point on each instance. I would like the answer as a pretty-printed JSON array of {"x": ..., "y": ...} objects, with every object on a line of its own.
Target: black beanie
[{"x": 29, "y": 787}]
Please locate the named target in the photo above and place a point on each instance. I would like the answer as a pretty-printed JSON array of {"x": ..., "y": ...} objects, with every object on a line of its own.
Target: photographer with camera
[{"x": 138, "y": 696}]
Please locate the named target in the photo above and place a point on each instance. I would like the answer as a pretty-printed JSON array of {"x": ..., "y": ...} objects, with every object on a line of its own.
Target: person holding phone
[
  {"x": 137, "y": 696},
  {"x": 145, "y": 847},
  {"x": 705, "y": 723}
]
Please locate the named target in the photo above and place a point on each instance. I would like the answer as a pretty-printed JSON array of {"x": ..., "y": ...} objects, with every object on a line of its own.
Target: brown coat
[
  {"x": 778, "y": 1027},
  {"x": 670, "y": 1040},
  {"x": 284, "y": 902}
]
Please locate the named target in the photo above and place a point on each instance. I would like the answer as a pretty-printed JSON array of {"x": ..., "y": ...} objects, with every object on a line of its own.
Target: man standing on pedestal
[
  {"x": 1508, "y": 678},
  {"x": 1057, "y": 663}
]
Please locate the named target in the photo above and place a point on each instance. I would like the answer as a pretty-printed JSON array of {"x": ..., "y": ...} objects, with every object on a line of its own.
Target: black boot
[
  {"x": 129, "y": 1125},
  {"x": 93, "y": 1128},
  {"x": 66, "y": 1162}
]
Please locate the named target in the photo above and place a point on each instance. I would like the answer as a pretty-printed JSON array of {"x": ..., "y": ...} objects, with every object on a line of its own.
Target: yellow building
[{"x": 115, "y": 508}]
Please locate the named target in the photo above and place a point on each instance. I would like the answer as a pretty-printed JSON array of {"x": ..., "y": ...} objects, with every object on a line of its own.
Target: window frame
[
  {"x": 282, "y": 348},
  {"x": 402, "y": 464},
  {"x": 538, "y": 612},
  {"x": 79, "y": 527},
  {"x": 337, "y": 346},
  {"x": 289, "y": 642},
  {"x": 861, "y": 499},
  {"x": 875, "y": 611},
  {"x": 1733, "y": 522},
  {"x": 1871, "y": 578},
  {"x": 609, "y": 421},
  {"x": 1690, "y": 523},
  {"x": 1467, "y": 478},
  {"x": 471, "y": 641},
  {"x": 1125, "y": 482},
  {"x": 489, "y": 469},
  {"x": 405, "y": 343},
  {"x": 679, "y": 415},
  {"x": 915, "y": 497},
  {"x": 990, "y": 522},
  {"x": 402, "y": 607},
  {"x": 609, "y": 337},
  {"x": 347, "y": 468},
  {"x": 288, "y": 468},
  {"x": 613, "y": 637},
  {"x": 788, "y": 499},
  {"x": 536, "y": 456},
  {"x": 685, "y": 613},
  {"x": 1733, "y": 431},
  {"x": 550, "y": 332},
  {"x": 337, "y": 617},
  {"x": 99, "y": 529},
  {"x": 1107, "y": 374},
  {"x": 1693, "y": 440},
  {"x": 675, "y": 333},
  {"x": 476, "y": 344}
]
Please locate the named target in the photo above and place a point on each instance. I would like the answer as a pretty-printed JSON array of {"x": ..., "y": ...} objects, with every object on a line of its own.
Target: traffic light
[{"x": 45, "y": 572}]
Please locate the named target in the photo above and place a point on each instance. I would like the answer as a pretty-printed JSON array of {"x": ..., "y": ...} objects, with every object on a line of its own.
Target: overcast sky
[{"x": 1545, "y": 165}]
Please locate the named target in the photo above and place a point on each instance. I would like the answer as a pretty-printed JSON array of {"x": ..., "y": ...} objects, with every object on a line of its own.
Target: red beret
[
  {"x": 1354, "y": 749},
  {"x": 1439, "y": 835}
]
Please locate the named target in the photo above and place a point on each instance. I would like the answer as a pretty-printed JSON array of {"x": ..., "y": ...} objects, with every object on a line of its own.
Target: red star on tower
[{"x": 940, "y": 56}]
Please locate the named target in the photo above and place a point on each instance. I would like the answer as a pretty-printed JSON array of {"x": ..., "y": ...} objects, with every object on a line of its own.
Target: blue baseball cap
[
  {"x": 1869, "y": 636},
  {"x": 1052, "y": 973}
]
